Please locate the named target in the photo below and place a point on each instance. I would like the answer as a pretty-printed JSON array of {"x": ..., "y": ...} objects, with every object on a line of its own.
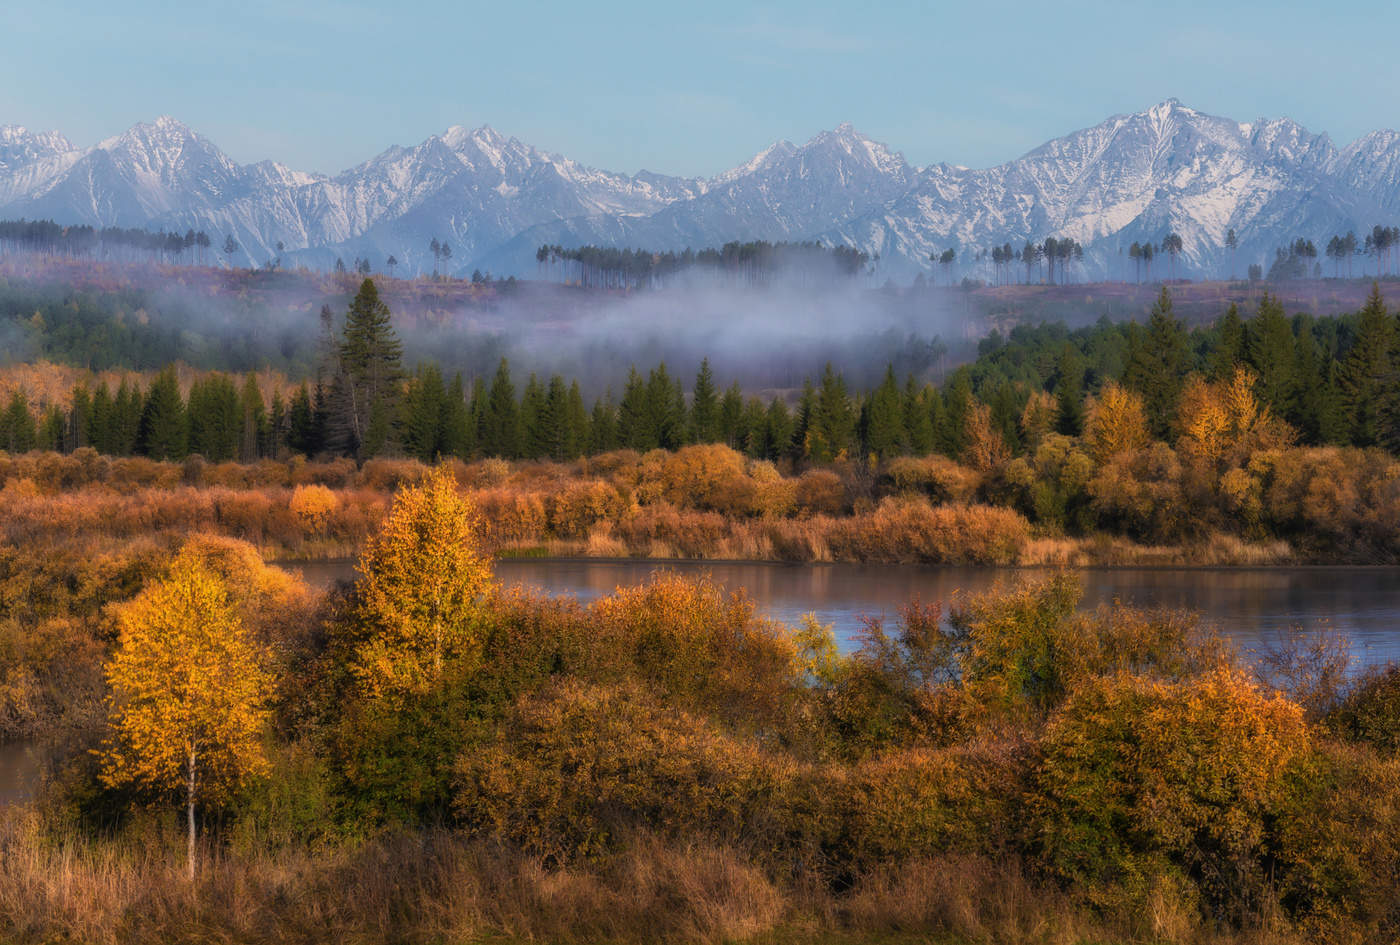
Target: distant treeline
[
  {"x": 1333, "y": 380},
  {"x": 107, "y": 243},
  {"x": 753, "y": 263}
]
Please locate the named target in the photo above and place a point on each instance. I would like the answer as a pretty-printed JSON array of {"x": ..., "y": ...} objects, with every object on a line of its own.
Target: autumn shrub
[
  {"x": 312, "y": 505},
  {"x": 510, "y": 517},
  {"x": 937, "y": 477},
  {"x": 579, "y": 506},
  {"x": 336, "y": 473},
  {"x": 774, "y": 496},
  {"x": 577, "y": 769},
  {"x": 821, "y": 492},
  {"x": 661, "y": 530},
  {"x": 1145, "y": 782},
  {"x": 387, "y": 475},
  {"x": 1050, "y": 485},
  {"x": 912, "y": 530},
  {"x": 701, "y": 648},
  {"x": 1336, "y": 844},
  {"x": 1141, "y": 494},
  {"x": 921, "y": 802},
  {"x": 1028, "y": 648},
  {"x": 1332, "y": 500},
  {"x": 708, "y": 477},
  {"x": 1370, "y": 713}
]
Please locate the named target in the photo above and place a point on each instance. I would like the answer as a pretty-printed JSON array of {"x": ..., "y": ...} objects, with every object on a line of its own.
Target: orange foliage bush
[
  {"x": 1143, "y": 782},
  {"x": 913, "y": 530},
  {"x": 937, "y": 477},
  {"x": 821, "y": 492},
  {"x": 578, "y": 769}
]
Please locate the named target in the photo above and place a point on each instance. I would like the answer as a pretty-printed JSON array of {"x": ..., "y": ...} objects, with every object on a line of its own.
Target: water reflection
[{"x": 1255, "y": 607}]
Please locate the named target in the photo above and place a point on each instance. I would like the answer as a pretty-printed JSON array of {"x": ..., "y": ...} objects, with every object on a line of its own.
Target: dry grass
[{"x": 438, "y": 887}]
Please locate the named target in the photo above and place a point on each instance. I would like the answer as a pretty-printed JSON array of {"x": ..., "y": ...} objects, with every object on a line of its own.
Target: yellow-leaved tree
[
  {"x": 419, "y": 593},
  {"x": 190, "y": 692},
  {"x": 1116, "y": 423}
]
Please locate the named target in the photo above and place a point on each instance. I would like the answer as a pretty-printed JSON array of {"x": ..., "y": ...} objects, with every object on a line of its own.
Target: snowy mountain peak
[
  {"x": 19, "y": 145},
  {"x": 1132, "y": 177}
]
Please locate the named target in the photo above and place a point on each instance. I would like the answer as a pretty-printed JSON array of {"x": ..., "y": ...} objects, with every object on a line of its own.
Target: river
[{"x": 1256, "y": 607}]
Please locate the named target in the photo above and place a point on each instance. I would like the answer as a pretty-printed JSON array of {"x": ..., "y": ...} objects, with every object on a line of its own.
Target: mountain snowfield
[{"x": 496, "y": 199}]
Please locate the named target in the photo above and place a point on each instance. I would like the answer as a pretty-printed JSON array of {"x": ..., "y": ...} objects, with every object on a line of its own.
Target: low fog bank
[
  {"x": 763, "y": 338},
  {"x": 769, "y": 337}
]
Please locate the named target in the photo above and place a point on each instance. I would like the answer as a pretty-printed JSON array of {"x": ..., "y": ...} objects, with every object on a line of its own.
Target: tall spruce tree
[
  {"x": 458, "y": 432},
  {"x": 533, "y": 407},
  {"x": 731, "y": 409},
  {"x": 1272, "y": 353},
  {"x": 1366, "y": 371},
  {"x": 500, "y": 421},
  {"x": 918, "y": 418},
  {"x": 424, "y": 403},
  {"x": 254, "y": 433},
  {"x": 1069, "y": 391},
  {"x": 1229, "y": 350},
  {"x": 634, "y": 429},
  {"x": 1159, "y": 358},
  {"x": 886, "y": 435},
  {"x": 833, "y": 427},
  {"x": 704, "y": 406},
  {"x": 164, "y": 426},
  {"x": 370, "y": 363},
  {"x": 301, "y": 424}
]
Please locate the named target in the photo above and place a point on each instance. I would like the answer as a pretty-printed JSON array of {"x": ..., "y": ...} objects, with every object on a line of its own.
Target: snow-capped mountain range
[{"x": 496, "y": 199}]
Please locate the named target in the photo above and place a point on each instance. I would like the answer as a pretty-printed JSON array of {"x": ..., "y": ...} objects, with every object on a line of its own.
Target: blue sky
[{"x": 688, "y": 88}]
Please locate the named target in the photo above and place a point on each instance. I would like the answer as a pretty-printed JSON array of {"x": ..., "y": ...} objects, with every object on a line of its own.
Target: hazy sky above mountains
[{"x": 689, "y": 88}]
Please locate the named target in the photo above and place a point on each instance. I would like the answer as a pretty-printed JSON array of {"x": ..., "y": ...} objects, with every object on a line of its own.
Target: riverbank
[{"x": 715, "y": 506}]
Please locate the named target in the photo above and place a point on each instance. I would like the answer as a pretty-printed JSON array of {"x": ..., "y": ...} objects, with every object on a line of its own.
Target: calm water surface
[{"x": 1255, "y": 607}]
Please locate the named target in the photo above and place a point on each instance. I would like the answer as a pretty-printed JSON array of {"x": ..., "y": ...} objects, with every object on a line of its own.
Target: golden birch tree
[
  {"x": 189, "y": 693},
  {"x": 422, "y": 578}
]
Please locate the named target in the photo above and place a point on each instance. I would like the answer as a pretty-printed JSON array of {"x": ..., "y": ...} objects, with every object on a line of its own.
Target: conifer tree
[
  {"x": 576, "y": 431},
  {"x": 1367, "y": 370},
  {"x": 424, "y": 403},
  {"x": 603, "y": 435},
  {"x": 500, "y": 421},
  {"x": 52, "y": 433},
  {"x": 634, "y": 429},
  {"x": 731, "y": 409},
  {"x": 254, "y": 431},
  {"x": 215, "y": 418},
  {"x": 18, "y": 432},
  {"x": 1158, "y": 361},
  {"x": 666, "y": 408},
  {"x": 918, "y": 418},
  {"x": 164, "y": 427},
  {"x": 704, "y": 407},
  {"x": 779, "y": 434},
  {"x": 1069, "y": 391},
  {"x": 458, "y": 431},
  {"x": 802, "y": 425},
  {"x": 80, "y": 419},
  {"x": 1229, "y": 351},
  {"x": 101, "y": 434},
  {"x": 755, "y": 426},
  {"x": 533, "y": 408},
  {"x": 554, "y": 420},
  {"x": 886, "y": 435},
  {"x": 301, "y": 424},
  {"x": 370, "y": 356},
  {"x": 832, "y": 431},
  {"x": 957, "y": 402},
  {"x": 1271, "y": 351}
]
